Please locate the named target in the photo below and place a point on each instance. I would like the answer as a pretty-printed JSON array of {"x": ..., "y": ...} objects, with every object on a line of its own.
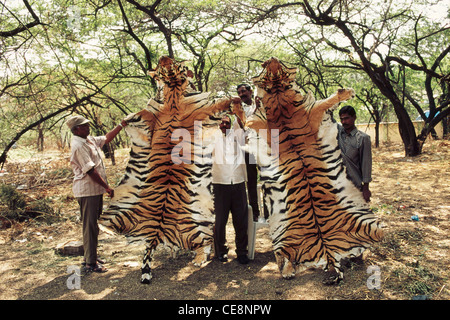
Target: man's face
[
  {"x": 348, "y": 121},
  {"x": 225, "y": 125},
  {"x": 245, "y": 95},
  {"x": 83, "y": 130}
]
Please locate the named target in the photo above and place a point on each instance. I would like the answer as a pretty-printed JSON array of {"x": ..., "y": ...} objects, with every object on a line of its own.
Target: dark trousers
[
  {"x": 91, "y": 209},
  {"x": 252, "y": 184},
  {"x": 230, "y": 198}
]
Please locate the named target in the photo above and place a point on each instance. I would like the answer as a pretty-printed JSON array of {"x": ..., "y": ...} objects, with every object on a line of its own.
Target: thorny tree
[{"x": 393, "y": 43}]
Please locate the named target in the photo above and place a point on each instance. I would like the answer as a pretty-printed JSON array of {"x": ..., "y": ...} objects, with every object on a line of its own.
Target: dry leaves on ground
[{"x": 411, "y": 195}]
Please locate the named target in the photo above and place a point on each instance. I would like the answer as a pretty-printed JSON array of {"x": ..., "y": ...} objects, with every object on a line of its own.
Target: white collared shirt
[
  {"x": 249, "y": 109},
  {"x": 228, "y": 157},
  {"x": 85, "y": 155}
]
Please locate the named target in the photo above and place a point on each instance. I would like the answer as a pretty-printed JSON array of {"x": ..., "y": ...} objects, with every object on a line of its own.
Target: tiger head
[
  {"x": 275, "y": 77},
  {"x": 170, "y": 73},
  {"x": 276, "y": 81}
]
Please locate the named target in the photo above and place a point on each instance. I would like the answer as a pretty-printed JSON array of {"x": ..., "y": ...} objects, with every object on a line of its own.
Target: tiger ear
[
  {"x": 185, "y": 68},
  {"x": 183, "y": 62},
  {"x": 151, "y": 73},
  {"x": 292, "y": 72}
]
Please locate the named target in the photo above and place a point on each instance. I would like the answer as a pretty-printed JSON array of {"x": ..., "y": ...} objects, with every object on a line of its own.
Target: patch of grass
[
  {"x": 12, "y": 198},
  {"x": 18, "y": 209},
  {"x": 415, "y": 279},
  {"x": 410, "y": 235},
  {"x": 418, "y": 288},
  {"x": 385, "y": 209},
  {"x": 59, "y": 173}
]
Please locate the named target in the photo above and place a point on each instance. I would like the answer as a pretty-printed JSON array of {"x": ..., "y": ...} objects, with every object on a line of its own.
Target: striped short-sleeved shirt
[{"x": 85, "y": 155}]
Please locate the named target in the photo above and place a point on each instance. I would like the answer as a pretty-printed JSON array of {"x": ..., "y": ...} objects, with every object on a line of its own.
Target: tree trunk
[
  {"x": 407, "y": 131},
  {"x": 381, "y": 81},
  {"x": 377, "y": 134},
  {"x": 446, "y": 127},
  {"x": 40, "y": 139},
  {"x": 405, "y": 125}
]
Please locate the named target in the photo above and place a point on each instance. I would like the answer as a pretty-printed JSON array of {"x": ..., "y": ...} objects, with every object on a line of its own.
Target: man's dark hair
[
  {"x": 246, "y": 85},
  {"x": 348, "y": 110}
]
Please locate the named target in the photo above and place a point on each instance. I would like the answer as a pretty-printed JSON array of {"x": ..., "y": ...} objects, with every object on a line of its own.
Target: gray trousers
[
  {"x": 90, "y": 209},
  {"x": 230, "y": 198}
]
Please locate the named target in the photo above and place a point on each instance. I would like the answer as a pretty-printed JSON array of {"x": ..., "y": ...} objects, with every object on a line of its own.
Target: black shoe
[
  {"x": 223, "y": 257},
  {"x": 331, "y": 279},
  {"x": 243, "y": 259}
]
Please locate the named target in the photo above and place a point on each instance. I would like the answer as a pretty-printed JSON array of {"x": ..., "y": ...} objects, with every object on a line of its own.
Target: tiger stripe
[
  {"x": 158, "y": 201},
  {"x": 317, "y": 216}
]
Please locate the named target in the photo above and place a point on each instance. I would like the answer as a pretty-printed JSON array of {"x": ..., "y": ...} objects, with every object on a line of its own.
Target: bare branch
[
  {"x": 23, "y": 27},
  {"x": 151, "y": 12},
  {"x": 129, "y": 30}
]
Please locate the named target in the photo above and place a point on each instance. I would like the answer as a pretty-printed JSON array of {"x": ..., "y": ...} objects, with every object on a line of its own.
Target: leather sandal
[
  {"x": 96, "y": 268},
  {"x": 101, "y": 261}
]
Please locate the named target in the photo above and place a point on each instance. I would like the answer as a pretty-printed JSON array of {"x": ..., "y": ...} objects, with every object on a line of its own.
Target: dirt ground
[{"x": 412, "y": 262}]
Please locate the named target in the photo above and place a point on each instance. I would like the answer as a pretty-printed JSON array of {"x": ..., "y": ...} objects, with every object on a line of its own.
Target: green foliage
[
  {"x": 421, "y": 281},
  {"x": 10, "y": 197},
  {"x": 103, "y": 50},
  {"x": 18, "y": 209}
]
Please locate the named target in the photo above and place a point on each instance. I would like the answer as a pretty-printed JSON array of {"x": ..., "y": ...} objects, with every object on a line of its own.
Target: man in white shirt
[
  {"x": 89, "y": 182},
  {"x": 229, "y": 177}
]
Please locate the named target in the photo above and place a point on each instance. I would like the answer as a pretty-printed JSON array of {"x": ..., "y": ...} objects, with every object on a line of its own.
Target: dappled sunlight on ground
[{"x": 413, "y": 258}]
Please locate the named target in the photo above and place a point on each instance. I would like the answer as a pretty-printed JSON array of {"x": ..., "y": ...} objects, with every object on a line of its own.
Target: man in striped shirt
[{"x": 90, "y": 182}]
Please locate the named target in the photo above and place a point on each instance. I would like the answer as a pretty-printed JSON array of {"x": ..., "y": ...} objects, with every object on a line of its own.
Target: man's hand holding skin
[
  {"x": 98, "y": 179},
  {"x": 93, "y": 173}
]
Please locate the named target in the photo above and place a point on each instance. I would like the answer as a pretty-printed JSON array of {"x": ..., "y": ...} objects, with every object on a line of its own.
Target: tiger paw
[
  {"x": 146, "y": 277},
  {"x": 346, "y": 94},
  {"x": 199, "y": 260},
  {"x": 287, "y": 269},
  {"x": 288, "y": 276},
  {"x": 288, "y": 272},
  {"x": 201, "y": 255}
]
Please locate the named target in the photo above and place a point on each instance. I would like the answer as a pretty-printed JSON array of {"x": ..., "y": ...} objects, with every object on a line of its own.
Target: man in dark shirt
[
  {"x": 356, "y": 150},
  {"x": 250, "y": 105}
]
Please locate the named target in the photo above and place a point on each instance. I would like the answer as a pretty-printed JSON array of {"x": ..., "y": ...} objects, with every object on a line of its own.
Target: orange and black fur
[
  {"x": 165, "y": 196},
  {"x": 317, "y": 216}
]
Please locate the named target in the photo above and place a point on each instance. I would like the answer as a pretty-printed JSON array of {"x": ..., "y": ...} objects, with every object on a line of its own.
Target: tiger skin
[
  {"x": 159, "y": 201},
  {"x": 317, "y": 216}
]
